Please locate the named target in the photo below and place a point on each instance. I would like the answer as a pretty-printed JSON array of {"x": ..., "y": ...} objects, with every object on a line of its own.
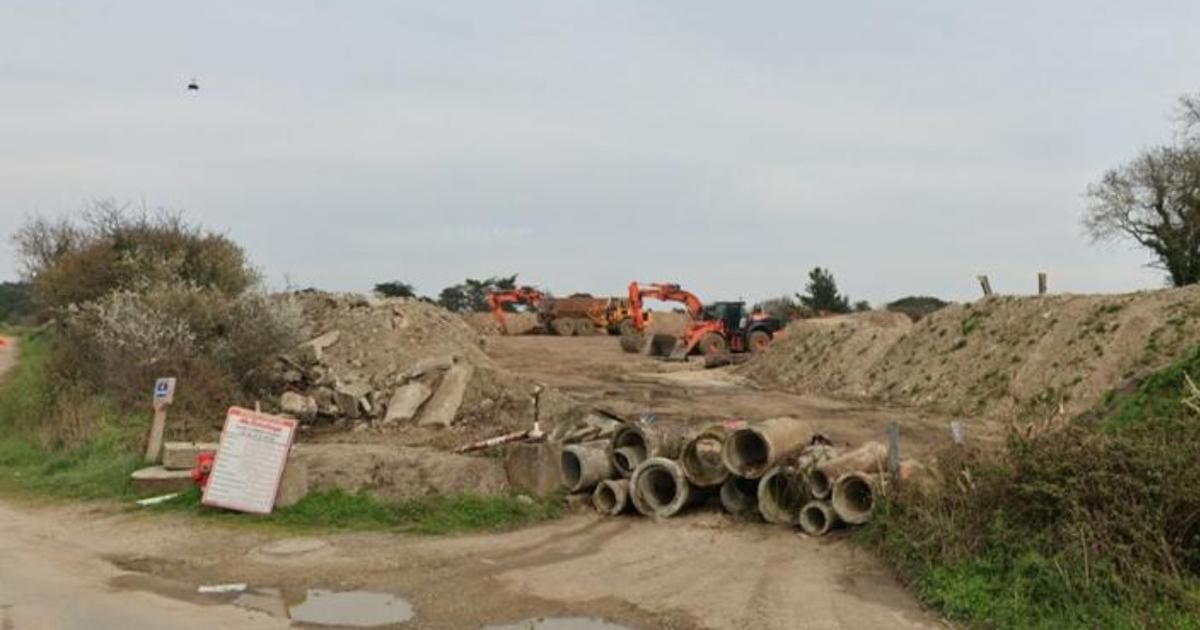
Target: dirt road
[{"x": 81, "y": 567}]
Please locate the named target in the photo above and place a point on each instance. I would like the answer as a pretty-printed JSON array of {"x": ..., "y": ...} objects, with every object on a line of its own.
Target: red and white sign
[{"x": 250, "y": 459}]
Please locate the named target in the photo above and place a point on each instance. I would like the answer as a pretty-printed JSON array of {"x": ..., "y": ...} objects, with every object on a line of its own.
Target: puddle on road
[
  {"x": 560, "y": 623},
  {"x": 357, "y": 609}
]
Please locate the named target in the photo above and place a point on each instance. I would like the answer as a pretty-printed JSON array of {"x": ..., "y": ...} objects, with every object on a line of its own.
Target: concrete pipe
[
  {"x": 634, "y": 442},
  {"x": 701, "y": 456},
  {"x": 740, "y": 496},
  {"x": 781, "y": 494},
  {"x": 854, "y": 497},
  {"x": 817, "y": 518},
  {"x": 664, "y": 489},
  {"x": 868, "y": 458},
  {"x": 611, "y": 497},
  {"x": 585, "y": 465},
  {"x": 754, "y": 449},
  {"x": 635, "y": 494}
]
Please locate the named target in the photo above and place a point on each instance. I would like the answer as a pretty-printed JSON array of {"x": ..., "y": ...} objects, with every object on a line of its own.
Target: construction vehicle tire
[
  {"x": 626, "y": 327},
  {"x": 584, "y": 327},
  {"x": 563, "y": 326},
  {"x": 758, "y": 341},
  {"x": 712, "y": 344}
]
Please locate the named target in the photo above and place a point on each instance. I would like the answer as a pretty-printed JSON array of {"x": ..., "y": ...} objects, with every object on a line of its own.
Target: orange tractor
[
  {"x": 717, "y": 329},
  {"x": 569, "y": 316}
]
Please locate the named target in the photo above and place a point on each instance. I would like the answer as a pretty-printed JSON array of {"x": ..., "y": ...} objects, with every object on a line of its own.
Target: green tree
[
  {"x": 471, "y": 295},
  {"x": 1154, "y": 200},
  {"x": 862, "y": 306},
  {"x": 395, "y": 289},
  {"x": 16, "y": 301},
  {"x": 822, "y": 293}
]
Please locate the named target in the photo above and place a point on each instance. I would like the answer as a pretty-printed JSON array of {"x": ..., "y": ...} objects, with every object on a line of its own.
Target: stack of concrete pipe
[{"x": 772, "y": 470}]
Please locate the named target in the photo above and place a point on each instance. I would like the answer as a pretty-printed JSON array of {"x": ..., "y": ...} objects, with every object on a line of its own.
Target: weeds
[{"x": 1074, "y": 523}]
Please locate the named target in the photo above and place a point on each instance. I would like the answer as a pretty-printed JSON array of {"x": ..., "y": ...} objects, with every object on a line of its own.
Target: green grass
[
  {"x": 336, "y": 509},
  {"x": 34, "y": 458},
  {"x": 37, "y": 461}
]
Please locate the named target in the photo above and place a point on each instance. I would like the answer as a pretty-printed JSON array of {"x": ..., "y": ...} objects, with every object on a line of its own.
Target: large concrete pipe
[
  {"x": 817, "y": 518},
  {"x": 740, "y": 496},
  {"x": 781, "y": 494},
  {"x": 664, "y": 488},
  {"x": 585, "y": 465},
  {"x": 752, "y": 450},
  {"x": 636, "y": 498},
  {"x": 701, "y": 456},
  {"x": 611, "y": 496},
  {"x": 634, "y": 442},
  {"x": 868, "y": 458},
  {"x": 854, "y": 497}
]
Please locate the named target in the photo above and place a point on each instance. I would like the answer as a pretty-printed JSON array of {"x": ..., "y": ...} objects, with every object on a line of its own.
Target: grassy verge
[
  {"x": 435, "y": 515},
  {"x": 1091, "y": 523},
  {"x": 59, "y": 444}
]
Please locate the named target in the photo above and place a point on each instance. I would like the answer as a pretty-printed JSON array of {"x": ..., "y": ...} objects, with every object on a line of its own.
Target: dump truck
[{"x": 580, "y": 314}]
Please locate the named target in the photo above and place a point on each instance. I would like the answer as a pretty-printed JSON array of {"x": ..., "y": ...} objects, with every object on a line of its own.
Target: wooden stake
[
  {"x": 1042, "y": 283},
  {"x": 893, "y": 448},
  {"x": 154, "y": 446},
  {"x": 985, "y": 285}
]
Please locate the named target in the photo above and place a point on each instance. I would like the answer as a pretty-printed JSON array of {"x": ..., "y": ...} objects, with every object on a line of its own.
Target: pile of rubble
[
  {"x": 379, "y": 363},
  {"x": 777, "y": 470}
]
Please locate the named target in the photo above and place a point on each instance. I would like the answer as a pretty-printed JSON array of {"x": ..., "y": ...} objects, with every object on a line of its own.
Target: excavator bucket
[
  {"x": 681, "y": 351},
  {"x": 661, "y": 345}
]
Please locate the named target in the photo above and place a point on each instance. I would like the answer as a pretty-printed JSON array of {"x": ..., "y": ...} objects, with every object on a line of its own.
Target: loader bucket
[{"x": 681, "y": 351}]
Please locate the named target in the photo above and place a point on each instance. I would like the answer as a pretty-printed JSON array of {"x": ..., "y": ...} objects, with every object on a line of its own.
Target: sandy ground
[
  {"x": 89, "y": 567},
  {"x": 112, "y": 566},
  {"x": 595, "y": 369}
]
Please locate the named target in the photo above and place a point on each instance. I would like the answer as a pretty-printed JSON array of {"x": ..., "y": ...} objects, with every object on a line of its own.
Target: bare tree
[{"x": 1155, "y": 201}]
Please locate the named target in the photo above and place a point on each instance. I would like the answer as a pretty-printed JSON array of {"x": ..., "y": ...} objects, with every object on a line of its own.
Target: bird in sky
[{"x": 192, "y": 86}]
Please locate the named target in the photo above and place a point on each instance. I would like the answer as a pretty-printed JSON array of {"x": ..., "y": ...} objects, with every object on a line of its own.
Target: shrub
[
  {"x": 1085, "y": 522},
  {"x": 111, "y": 248}
]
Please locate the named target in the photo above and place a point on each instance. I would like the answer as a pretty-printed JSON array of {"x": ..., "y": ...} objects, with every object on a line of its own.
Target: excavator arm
[
  {"x": 663, "y": 292},
  {"x": 524, "y": 295}
]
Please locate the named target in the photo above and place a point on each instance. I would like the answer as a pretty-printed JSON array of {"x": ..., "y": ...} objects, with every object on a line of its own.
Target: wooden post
[
  {"x": 154, "y": 445},
  {"x": 985, "y": 285},
  {"x": 164, "y": 395},
  {"x": 1042, "y": 283},
  {"x": 893, "y": 448}
]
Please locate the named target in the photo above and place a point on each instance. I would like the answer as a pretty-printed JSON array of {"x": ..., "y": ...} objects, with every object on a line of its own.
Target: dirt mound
[
  {"x": 999, "y": 356},
  {"x": 398, "y": 365}
]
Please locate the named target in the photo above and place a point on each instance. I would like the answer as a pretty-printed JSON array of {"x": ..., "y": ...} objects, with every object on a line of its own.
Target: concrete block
[
  {"x": 442, "y": 408},
  {"x": 182, "y": 455},
  {"x": 406, "y": 402},
  {"x": 533, "y": 468},
  {"x": 159, "y": 480},
  {"x": 293, "y": 486}
]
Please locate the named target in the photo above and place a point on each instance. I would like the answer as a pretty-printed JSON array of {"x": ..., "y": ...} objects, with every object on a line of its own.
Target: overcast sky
[{"x": 728, "y": 146}]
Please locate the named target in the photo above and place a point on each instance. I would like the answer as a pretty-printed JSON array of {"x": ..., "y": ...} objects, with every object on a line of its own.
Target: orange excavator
[
  {"x": 524, "y": 295},
  {"x": 716, "y": 329}
]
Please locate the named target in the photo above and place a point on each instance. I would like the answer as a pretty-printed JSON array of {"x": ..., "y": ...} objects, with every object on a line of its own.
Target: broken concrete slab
[
  {"x": 406, "y": 402},
  {"x": 158, "y": 479},
  {"x": 182, "y": 455},
  {"x": 352, "y": 398},
  {"x": 442, "y": 408},
  {"x": 298, "y": 405},
  {"x": 326, "y": 340},
  {"x": 429, "y": 364}
]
